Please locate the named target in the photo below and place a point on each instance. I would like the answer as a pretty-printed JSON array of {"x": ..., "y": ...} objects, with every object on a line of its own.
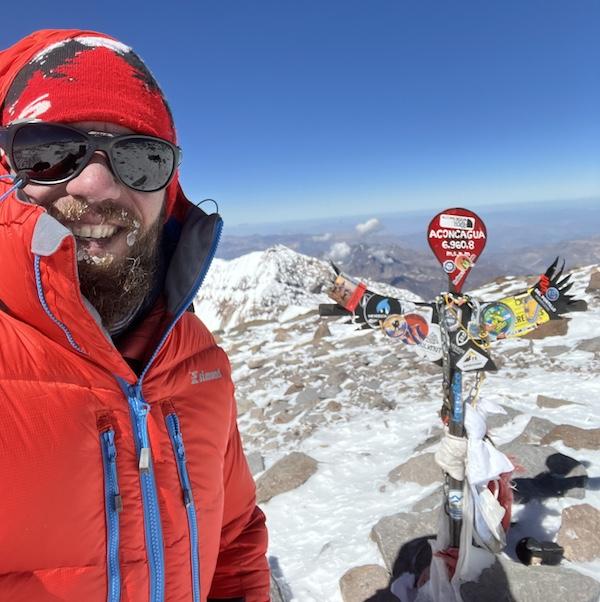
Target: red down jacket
[{"x": 116, "y": 486}]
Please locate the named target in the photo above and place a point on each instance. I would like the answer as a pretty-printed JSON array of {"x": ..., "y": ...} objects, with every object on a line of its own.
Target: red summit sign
[{"x": 457, "y": 238}]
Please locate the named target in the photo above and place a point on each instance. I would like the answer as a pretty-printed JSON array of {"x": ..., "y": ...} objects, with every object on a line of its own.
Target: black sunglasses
[{"x": 52, "y": 153}]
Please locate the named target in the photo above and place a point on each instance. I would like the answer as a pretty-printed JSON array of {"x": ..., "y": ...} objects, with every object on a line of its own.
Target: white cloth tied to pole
[
  {"x": 451, "y": 455},
  {"x": 475, "y": 461}
]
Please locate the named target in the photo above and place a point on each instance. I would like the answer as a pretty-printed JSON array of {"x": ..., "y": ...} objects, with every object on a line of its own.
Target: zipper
[
  {"x": 176, "y": 437},
  {"x": 139, "y": 409},
  {"x": 113, "y": 506},
  {"x": 42, "y": 298},
  {"x": 152, "y": 524}
]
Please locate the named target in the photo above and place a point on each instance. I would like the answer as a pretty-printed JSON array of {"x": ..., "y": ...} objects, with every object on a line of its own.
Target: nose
[{"x": 96, "y": 182}]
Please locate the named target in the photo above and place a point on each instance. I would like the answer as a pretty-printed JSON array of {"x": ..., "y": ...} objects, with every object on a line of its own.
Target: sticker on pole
[{"x": 457, "y": 238}]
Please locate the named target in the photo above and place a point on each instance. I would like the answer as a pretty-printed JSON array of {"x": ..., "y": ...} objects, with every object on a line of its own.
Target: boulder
[
  {"x": 509, "y": 581},
  {"x": 542, "y": 472},
  {"x": 285, "y": 475},
  {"x": 256, "y": 462},
  {"x": 494, "y": 421},
  {"x": 276, "y": 595},
  {"x": 553, "y": 328},
  {"x": 256, "y": 362},
  {"x": 321, "y": 332},
  {"x": 282, "y": 335},
  {"x": 591, "y": 345},
  {"x": 307, "y": 397},
  {"x": 393, "y": 532},
  {"x": 578, "y": 533},
  {"x": 430, "y": 502},
  {"x": 535, "y": 430},
  {"x": 329, "y": 392},
  {"x": 366, "y": 582},
  {"x": 420, "y": 469},
  {"x": 574, "y": 437},
  {"x": 337, "y": 377},
  {"x": 555, "y": 350},
  {"x": 333, "y": 406},
  {"x": 551, "y": 402},
  {"x": 594, "y": 284}
]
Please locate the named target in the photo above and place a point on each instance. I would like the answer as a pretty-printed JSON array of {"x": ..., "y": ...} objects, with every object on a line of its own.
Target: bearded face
[{"x": 117, "y": 230}]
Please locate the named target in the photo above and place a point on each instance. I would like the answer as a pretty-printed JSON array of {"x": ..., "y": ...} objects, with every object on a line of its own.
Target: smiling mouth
[{"x": 92, "y": 232}]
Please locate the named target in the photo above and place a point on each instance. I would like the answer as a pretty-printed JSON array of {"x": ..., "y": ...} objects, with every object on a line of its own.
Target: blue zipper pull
[
  {"x": 141, "y": 409},
  {"x": 181, "y": 459},
  {"x": 111, "y": 453}
]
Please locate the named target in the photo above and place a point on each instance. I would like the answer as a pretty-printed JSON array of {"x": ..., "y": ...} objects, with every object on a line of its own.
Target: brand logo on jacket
[{"x": 201, "y": 376}]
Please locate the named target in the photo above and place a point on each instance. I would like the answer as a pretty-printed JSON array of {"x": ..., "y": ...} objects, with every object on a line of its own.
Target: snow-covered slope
[
  {"x": 362, "y": 404},
  {"x": 277, "y": 284}
]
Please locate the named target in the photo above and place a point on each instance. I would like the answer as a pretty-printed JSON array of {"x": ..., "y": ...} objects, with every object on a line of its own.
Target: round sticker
[
  {"x": 378, "y": 308},
  {"x": 449, "y": 266},
  {"x": 411, "y": 329},
  {"x": 497, "y": 320},
  {"x": 552, "y": 294}
]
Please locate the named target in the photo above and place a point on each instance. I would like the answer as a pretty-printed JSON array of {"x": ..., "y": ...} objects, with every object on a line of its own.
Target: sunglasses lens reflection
[
  {"x": 51, "y": 153},
  {"x": 47, "y": 152},
  {"x": 143, "y": 164}
]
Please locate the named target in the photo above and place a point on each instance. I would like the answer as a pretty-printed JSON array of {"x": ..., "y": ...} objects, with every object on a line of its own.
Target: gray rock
[
  {"x": 553, "y": 328},
  {"x": 536, "y": 429},
  {"x": 333, "y": 406},
  {"x": 508, "y": 581},
  {"x": 285, "y": 475},
  {"x": 555, "y": 350},
  {"x": 306, "y": 398},
  {"x": 363, "y": 582},
  {"x": 329, "y": 392},
  {"x": 497, "y": 420},
  {"x": 256, "y": 362},
  {"x": 551, "y": 402},
  {"x": 276, "y": 595},
  {"x": 420, "y": 469},
  {"x": 430, "y": 502},
  {"x": 594, "y": 284},
  {"x": 321, "y": 332},
  {"x": 244, "y": 405},
  {"x": 393, "y": 532},
  {"x": 256, "y": 462},
  {"x": 295, "y": 387},
  {"x": 337, "y": 377},
  {"x": 574, "y": 437},
  {"x": 282, "y": 335},
  {"x": 543, "y": 472},
  {"x": 592, "y": 345},
  {"x": 578, "y": 533}
]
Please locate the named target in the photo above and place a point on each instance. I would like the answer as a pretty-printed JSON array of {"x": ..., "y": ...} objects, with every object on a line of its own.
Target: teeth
[{"x": 103, "y": 231}]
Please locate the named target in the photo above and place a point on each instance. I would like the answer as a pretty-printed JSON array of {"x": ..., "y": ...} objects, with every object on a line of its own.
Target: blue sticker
[
  {"x": 457, "y": 402},
  {"x": 383, "y": 307},
  {"x": 552, "y": 294},
  {"x": 449, "y": 266}
]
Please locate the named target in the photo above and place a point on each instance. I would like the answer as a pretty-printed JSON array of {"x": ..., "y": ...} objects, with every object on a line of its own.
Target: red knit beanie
[{"x": 70, "y": 75}]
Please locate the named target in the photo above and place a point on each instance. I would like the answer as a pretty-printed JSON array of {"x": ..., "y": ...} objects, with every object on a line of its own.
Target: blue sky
[{"x": 294, "y": 109}]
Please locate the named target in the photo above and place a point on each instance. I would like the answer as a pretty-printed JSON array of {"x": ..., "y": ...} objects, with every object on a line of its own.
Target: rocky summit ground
[{"x": 340, "y": 424}]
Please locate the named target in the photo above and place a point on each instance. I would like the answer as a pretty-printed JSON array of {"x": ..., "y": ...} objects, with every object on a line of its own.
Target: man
[{"x": 121, "y": 466}]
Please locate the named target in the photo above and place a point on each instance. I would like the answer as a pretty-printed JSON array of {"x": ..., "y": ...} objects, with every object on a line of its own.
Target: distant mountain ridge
[
  {"x": 276, "y": 284},
  {"x": 522, "y": 240}
]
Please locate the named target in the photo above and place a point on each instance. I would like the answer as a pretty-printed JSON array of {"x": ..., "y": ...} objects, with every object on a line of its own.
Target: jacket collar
[{"x": 40, "y": 286}]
